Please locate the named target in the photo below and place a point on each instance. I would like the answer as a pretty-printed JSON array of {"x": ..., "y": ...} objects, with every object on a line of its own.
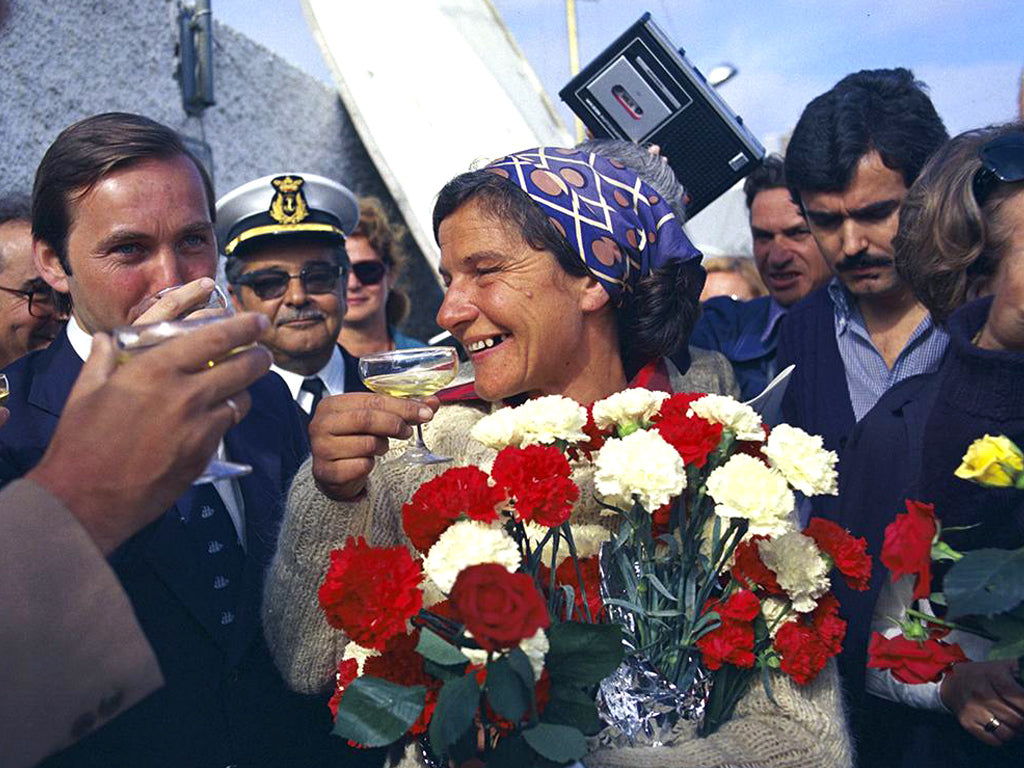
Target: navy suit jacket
[{"x": 224, "y": 702}]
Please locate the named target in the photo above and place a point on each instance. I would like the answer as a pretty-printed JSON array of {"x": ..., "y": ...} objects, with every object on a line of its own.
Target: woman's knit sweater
[{"x": 806, "y": 730}]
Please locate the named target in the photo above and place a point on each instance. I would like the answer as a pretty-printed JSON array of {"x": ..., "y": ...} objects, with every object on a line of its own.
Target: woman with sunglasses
[
  {"x": 557, "y": 283},
  {"x": 960, "y": 240},
  {"x": 376, "y": 306}
]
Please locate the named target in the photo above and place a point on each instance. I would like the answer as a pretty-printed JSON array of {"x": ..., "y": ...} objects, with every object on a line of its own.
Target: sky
[{"x": 969, "y": 52}]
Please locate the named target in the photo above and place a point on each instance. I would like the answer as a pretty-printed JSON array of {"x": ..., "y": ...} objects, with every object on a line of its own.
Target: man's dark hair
[
  {"x": 771, "y": 174},
  {"x": 87, "y": 151},
  {"x": 881, "y": 110}
]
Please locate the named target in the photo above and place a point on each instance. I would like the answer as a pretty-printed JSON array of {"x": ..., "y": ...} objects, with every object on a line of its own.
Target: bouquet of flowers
[
  {"x": 983, "y": 590},
  {"x": 485, "y": 642},
  {"x": 706, "y": 570}
]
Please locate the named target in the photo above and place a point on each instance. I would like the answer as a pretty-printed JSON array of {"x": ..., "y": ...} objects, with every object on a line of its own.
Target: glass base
[
  {"x": 420, "y": 454},
  {"x": 222, "y": 470}
]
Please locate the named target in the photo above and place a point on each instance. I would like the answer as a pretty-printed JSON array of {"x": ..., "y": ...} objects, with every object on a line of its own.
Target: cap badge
[{"x": 289, "y": 204}]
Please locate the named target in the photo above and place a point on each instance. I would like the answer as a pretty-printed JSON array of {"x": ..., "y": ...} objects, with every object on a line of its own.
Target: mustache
[
  {"x": 290, "y": 315},
  {"x": 863, "y": 260}
]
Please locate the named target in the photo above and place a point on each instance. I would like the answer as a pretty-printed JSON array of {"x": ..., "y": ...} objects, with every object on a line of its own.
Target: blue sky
[{"x": 970, "y": 53}]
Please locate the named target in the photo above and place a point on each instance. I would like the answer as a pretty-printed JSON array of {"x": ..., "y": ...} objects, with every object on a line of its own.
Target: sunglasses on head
[
  {"x": 1002, "y": 160},
  {"x": 273, "y": 283},
  {"x": 369, "y": 272}
]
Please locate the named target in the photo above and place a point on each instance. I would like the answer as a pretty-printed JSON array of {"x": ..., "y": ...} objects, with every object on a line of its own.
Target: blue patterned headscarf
[{"x": 619, "y": 226}]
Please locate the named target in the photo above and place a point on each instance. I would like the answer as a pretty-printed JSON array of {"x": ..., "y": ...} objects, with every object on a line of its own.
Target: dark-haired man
[
  {"x": 120, "y": 211},
  {"x": 30, "y": 317},
  {"x": 791, "y": 266},
  {"x": 283, "y": 236},
  {"x": 854, "y": 152}
]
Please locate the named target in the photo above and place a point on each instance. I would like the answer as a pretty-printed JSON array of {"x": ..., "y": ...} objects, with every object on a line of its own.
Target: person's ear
[
  {"x": 49, "y": 267},
  {"x": 235, "y": 301},
  {"x": 593, "y": 297}
]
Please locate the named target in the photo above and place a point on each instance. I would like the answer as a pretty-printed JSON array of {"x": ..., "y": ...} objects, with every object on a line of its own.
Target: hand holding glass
[{"x": 418, "y": 372}]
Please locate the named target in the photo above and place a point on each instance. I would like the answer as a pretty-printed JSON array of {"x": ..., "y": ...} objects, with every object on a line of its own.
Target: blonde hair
[{"x": 738, "y": 265}]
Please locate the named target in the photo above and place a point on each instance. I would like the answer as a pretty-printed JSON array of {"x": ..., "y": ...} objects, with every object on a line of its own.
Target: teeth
[{"x": 477, "y": 346}]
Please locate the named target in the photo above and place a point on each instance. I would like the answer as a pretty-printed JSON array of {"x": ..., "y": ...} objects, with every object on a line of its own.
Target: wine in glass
[
  {"x": 417, "y": 372},
  {"x": 132, "y": 340},
  {"x": 5, "y": 389}
]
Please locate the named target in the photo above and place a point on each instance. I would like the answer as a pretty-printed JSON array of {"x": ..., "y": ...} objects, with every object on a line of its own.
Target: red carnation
[
  {"x": 348, "y": 670},
  {"x": 732, "y": 642},
  {"x": 907, "y": 548},
  {"x": 595, "y": 438},
  {"x": 499, "y": 608},
  {"x": 750, "y": 571},
  {"x": 590, "y": 570},
  {"x": 741, "y": 606},
  {"x": 660, "y": 519},
  {"x": 399, "y": 663},
  {"x": 911, "y": 661},
  {"x": 849, "y": 554},
  {"x": 693, "y": 438},
  {"x": 441, "y": 501},
  {"x": 826, "y": 622},
  {"x": 371, "y": 592},
  {"x": 803, "y": 653},
  {"x": 537, "y": 478}
]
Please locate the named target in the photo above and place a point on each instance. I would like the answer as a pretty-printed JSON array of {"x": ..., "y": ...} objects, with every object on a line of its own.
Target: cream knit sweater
[{"x": 806, "y": 730}]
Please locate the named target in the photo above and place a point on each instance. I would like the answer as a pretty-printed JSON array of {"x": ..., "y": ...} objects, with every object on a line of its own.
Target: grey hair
[{"x": 654, "y": 170}]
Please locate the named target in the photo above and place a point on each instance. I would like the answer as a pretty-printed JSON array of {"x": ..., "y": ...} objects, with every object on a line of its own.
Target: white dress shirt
[
  {"x": 228, "y": 489},
  {"x": 332, "y": 375}
]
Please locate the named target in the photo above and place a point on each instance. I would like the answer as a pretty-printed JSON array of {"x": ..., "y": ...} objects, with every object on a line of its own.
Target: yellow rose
[{"x": 994, "y": 461}]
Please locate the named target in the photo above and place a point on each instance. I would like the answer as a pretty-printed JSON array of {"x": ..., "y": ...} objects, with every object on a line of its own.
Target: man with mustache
[
  {"x": 284, "y": 239},
  {"x": 854, "y": 153}
]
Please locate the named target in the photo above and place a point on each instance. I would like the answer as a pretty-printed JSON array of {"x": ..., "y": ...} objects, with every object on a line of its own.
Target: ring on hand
[
  {"x": 991, "y": 725},
  {"x": 237, "y": 415}
]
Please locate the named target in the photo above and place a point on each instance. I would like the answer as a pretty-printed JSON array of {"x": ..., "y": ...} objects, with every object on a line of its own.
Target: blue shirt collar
[{"x": 775, "y": 313}]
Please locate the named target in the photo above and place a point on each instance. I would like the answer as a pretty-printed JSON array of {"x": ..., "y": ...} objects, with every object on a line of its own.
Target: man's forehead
[
  {"x": 771, "y": 206},
  {"x": 872, "y": 182}
]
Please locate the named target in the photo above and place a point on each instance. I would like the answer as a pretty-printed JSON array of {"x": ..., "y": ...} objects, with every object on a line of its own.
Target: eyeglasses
[
  {"x": 369, "y": 272},
  {"x": 42, "y": 300},
  {"x": 1002, "y": 160},
  {"x": 272, "y": 283}
]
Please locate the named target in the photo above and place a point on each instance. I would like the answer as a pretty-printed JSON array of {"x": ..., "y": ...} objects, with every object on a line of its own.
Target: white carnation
[
  {"x": 359, "y": 653},
  {"x": 774, "y": 608},
  {"x": 587, "y": 538},
  {"x": 536, "y": 649},
  {"x": 803, "y": 460},
  {"x": 740, "y": 419},
  {"x": 466, "y": 543},
  {"x": 801, "y": 570},
  {"x": 640, "y": 464},
  {"x": 544, "y": 420},
  {"x": 630, "y": 407},
  {"x": 497, "y": 430},
  {"x": 745, "y": 487}
]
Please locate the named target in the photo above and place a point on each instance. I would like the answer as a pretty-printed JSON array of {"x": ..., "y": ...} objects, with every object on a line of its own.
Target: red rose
[
  {"x": 693, "y": 438},
  {"x": 750, "y": 571},
  {"x": 911, "y": 661},
  {"x": 399, "y": 663},
  {"x": 537, "y": 479},
  {"x": 499, "y": 608},
  {"x": 803, "y": 653},
  {"x": 850, "y": 555},
  {"x": 590, "y": 570},
  {"x": 441, "y": 501},
  {"x": 348, "y": 670},
  {"x": 371, "y": 592},
  {"x": 907, "y": 548}
]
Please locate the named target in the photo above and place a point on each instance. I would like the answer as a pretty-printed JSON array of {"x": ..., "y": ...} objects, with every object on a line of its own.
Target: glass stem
[{"x": 419, "y": 437}]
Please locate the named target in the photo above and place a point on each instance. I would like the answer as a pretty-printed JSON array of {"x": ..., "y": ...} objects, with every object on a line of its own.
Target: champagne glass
[
  {"x": 132, "y": 340},
  {"x": 5, "y": 389},
  {"x": 417, "y": 372}
]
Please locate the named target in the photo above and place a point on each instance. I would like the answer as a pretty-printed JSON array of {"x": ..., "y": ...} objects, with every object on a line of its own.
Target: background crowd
[{"x": 154, "y": 622}]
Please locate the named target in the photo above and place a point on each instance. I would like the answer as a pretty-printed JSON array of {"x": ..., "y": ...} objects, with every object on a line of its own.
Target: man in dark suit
[
  {"x": 284, "y": 239},
  {"x": 121, "y": 211}
]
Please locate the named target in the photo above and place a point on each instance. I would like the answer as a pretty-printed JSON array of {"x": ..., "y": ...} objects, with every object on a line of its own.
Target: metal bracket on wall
[{"x": 195, "y": 56}]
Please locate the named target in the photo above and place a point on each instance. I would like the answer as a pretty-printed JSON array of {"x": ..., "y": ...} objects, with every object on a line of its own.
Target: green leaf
[
  {"x": 660, "y": 587},
  {"x": 442, "y": 673},
  {"x": 571, "y": 706},
  {"x": 375, "y": 712},
  {"x": 520, "y": 664},
  {"x": 438, "y": 650},
  {"x": 1009, "y": 629},
  {"x": 505, "y": 691},
  {"x": 583, "y": 654},
  {"x": 510, "y": 753},
  {"x": 985, "y": 582},
  {"x": 556, "y": 742},
  {"x": 456, "y": 707}
]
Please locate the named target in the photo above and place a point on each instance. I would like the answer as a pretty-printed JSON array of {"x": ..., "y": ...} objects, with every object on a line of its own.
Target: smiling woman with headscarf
[{"x": 566, "y": 274}]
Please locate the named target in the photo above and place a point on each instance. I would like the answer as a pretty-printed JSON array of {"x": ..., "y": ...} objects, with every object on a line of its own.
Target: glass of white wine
[
  {"x": 5, "y": 390},
  {"x": 417, "y": 372},
  {"x": 132, "y": 340}
]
